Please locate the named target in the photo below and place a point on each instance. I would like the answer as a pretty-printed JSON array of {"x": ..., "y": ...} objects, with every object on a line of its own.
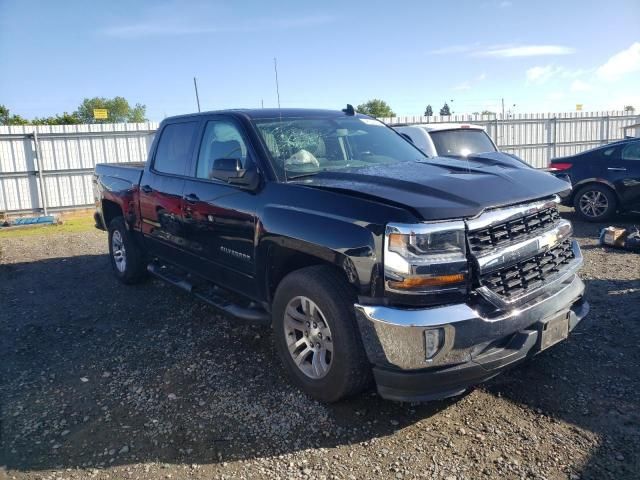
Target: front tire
[
  {"x": 316, "y": 334},
  {"x": 127, "y": 260},
  {"x": 595, "y": 203}
]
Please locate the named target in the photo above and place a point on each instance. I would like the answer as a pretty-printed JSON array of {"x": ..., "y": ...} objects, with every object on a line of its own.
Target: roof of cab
[
  {"x": 257, "y": 113},
  {"x": 432, "y": 127}
]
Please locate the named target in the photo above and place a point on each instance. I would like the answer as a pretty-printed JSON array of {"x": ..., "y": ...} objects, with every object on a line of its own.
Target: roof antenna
[
  {"x": 349, "y": 110},
  {"x": 195, "y": 86},
  {"x": 275, "y": 68}
]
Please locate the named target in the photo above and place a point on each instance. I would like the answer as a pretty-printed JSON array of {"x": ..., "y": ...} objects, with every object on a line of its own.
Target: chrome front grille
[
  {"x": 501, "y": 234},
  {"x": 516, "y": 280},
  {"x": 521, "y": 251}
]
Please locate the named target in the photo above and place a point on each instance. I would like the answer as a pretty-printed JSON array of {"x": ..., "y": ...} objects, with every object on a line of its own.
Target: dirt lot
[{"x": 99, "y": 380}]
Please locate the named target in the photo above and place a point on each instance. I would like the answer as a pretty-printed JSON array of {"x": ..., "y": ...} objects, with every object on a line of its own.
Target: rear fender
[{"x": 597, "y": 180}]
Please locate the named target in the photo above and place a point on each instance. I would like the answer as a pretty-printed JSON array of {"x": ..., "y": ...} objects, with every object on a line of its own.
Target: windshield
[
  {"x": 304, "y": 146},
  {"x": 460, "y": 143}
]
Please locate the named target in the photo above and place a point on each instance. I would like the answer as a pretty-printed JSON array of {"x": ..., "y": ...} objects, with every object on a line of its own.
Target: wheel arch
[
  {"x": 594, "y": 181},
  {"x": 283, "y": 260},
  {"x": 110, "y": 210}
]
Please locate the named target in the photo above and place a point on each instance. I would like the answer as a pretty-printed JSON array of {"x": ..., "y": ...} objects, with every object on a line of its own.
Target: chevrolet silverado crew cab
[{"x": 370, "y": 260}]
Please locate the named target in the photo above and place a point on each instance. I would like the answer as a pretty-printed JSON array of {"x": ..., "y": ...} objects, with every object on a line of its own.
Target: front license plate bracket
[{"x": 554, "y": 330}]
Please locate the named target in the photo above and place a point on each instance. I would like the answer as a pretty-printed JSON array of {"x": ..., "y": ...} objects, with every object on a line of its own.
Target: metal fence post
[
  {"x": 554, "y": 138},
  {"x": 43, "y": 189}
]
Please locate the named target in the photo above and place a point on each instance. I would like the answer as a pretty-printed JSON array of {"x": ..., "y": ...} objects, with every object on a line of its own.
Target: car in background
[
  {"x": 448, "y": 139},
  {"x": 605, "y": 179}
]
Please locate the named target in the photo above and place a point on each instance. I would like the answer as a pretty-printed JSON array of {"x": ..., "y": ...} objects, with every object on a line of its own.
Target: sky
[{"x": 539, "y": 56}]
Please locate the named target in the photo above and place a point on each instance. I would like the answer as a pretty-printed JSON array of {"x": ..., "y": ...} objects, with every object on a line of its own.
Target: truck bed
[{"x": 128, "y": 172}]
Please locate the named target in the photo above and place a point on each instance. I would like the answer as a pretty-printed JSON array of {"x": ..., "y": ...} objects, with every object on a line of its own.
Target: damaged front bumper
[{"x": 478, "y": 342}]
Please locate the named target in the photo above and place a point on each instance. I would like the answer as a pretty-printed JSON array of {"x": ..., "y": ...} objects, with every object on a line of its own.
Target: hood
[{"x": 444, "y": 188}]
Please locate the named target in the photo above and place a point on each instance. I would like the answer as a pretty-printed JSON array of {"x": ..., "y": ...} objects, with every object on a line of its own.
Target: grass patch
[{"x": 71, "y": 224}]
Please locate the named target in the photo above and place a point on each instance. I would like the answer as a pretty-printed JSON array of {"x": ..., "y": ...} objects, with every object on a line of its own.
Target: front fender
[{"x": 348, "y": 244}]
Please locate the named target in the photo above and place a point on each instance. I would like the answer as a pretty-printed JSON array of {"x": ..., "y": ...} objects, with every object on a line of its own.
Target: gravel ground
[{"x": 100, "y": 380}]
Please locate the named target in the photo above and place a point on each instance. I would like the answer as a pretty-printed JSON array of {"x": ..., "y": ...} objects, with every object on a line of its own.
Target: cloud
[
  {"x": 580, "y": 86},
  {"x": 468, "y": 84},
  {"x": 555, "y": 96},
  {"x": 626, "y": 61},
  {"x": 462, "y": 87},
  {"x": 541, "y": 75},
  {"x": 179, "y": 27},
  {"x": 504, "y": 51},
  {"x": 525, "y": 51}
]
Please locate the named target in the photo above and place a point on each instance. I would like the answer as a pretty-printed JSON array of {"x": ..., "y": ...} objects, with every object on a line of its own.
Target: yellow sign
[
  {"x": 578, "y": 107},
  {"x": 100, "y": 113}
]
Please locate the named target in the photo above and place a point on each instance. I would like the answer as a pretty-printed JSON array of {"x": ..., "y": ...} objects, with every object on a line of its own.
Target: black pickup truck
[{"x": 370, "y": 261}]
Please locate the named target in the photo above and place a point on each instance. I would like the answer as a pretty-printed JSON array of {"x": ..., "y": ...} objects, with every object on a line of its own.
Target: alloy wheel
[
  {"x": 308, "y": 337},
  {"x": 118, "y": 251},
  {"x": 593, "y": 203}
]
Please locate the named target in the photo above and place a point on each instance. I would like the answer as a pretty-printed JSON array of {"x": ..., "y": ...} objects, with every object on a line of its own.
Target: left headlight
[{"x": 425, "y": 258}]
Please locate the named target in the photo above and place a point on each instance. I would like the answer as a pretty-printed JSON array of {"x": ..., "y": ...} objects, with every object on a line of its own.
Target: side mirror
[
  {"x": 406, "y": 137},
  {"x": 230, "y": 170}
]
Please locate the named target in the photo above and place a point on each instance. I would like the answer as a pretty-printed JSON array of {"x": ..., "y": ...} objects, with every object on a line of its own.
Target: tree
[
  {"x": 445, "y": 110},
  {"x": 4, "y": 115},
  {"x": 629, "y": 108},
  {"x": 7, "y": 119},
  {"x": 64, "y": 119},
  {"x": 429, "y": 111},
  {"x": 488, "y": 112},
  {"x": 376, "y": 108},
  {"x": 118, "y": 109}
]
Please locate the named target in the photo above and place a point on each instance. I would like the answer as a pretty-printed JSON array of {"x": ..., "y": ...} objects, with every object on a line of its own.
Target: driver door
[{"x": 219, "y": 219}]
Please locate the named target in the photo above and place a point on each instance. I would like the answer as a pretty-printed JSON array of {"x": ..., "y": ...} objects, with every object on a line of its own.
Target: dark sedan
[{"x": 605, "y": 179}]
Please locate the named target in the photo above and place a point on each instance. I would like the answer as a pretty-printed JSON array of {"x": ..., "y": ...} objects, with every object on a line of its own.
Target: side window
[
  {"x": 221, "y": 139},
  {"x": 172, "y": 154},
  {"x": 631, "y": 151}
]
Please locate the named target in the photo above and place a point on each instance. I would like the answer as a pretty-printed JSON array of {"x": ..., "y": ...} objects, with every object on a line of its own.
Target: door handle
[
  {"x": 146, "y": 189},
  {"x": 191, "y": 198},
  {"x": 617, "y": 169}
]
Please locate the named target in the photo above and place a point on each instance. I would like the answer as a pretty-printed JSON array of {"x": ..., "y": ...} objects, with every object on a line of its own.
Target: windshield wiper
[{"x": 301, "y": 175}]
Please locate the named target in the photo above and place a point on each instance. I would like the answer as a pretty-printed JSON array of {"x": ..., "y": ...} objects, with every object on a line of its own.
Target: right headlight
[{"x": 425, "y": 258}]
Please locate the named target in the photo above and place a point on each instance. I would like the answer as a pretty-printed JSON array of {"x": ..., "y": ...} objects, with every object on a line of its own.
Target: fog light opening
[{"x": 433, "y": 342}]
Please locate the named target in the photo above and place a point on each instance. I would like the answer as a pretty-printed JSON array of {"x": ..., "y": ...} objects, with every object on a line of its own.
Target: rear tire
[
  {"x": 127, "y": 260},
  {"x": 595, "y": 203},
  {"x": 316, "y": 334}
]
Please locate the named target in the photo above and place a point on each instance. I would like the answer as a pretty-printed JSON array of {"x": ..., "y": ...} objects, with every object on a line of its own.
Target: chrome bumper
[{"x": 394, "y": 337}]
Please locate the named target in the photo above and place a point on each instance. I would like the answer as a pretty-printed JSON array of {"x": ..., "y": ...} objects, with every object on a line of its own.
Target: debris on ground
[{"x": 173, "y": 390}]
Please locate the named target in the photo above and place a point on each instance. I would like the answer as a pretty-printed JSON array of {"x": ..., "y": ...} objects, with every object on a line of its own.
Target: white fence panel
[
  {"x": 537, "y": 138},
  {"x": 69, "y": 153}
]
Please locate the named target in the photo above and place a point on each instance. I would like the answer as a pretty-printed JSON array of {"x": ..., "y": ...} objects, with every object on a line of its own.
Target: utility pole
[
  {"x": 502, "y": 100},
  {"x": 262, "y": 102},
  {"x": 275, "y": 68},
  {"x": 195, "y": 85}
]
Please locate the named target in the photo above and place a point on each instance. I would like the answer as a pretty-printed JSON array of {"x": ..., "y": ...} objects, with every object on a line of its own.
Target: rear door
[
  {"x": 624, "y": 171},
  {"x": 219, "y": 219},
  {"x": 161, "y": 189}
]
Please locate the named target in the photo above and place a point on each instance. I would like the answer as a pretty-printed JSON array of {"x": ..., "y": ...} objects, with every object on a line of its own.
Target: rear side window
[
  {"x": 460, "y": 143},
  {"x": 172, "y": 154},
  {"x": 631, "y": 151}
]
